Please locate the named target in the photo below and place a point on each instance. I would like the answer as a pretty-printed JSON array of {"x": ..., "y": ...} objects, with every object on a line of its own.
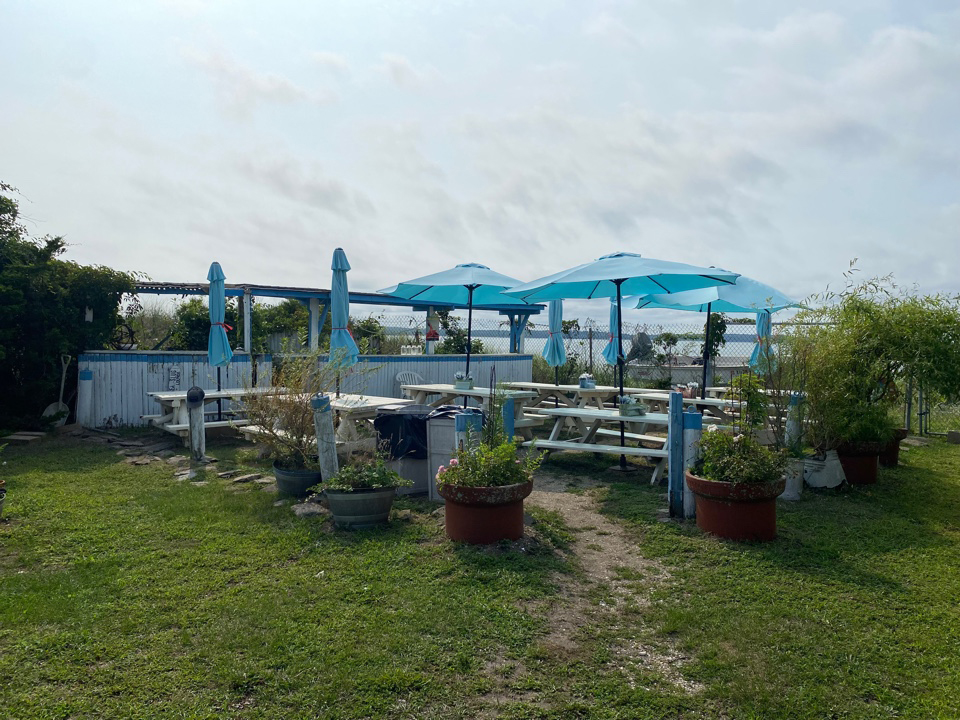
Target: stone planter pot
[
  {"x": 295, "y": 482},
  {"x": 860, "y": 462},
  {"x": 355, "y": 509},
  {"x": 793, "y": 476},
  {"x": 483, "y": 515},
  {"x": 741, "y": 511},
  {"x": 463, "y": 384},
  {"x": 890, "y": 455}
]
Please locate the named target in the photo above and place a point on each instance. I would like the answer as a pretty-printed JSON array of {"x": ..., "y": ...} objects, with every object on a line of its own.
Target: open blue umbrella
[
  {"x": 764, "y": 329},
  {"x": 745, "y": 295},
  {"x": 469, "y": 284},
  {"x": 219, "y": 353},
  {"x": 616, "y": 275},
  {"x": 612, "y": 349},
  {"x": 554, "y": 352},
  {"x": 343, "y": 349}
]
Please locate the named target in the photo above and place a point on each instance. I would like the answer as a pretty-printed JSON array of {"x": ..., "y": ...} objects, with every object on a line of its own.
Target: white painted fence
[{"x": 113, "y": 386}]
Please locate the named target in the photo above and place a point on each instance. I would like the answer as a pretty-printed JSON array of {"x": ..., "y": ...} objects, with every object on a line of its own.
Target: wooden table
[
  {"x": 587, "y": 440},
  {"x": 569, "y": 395},
  {"x": 717, "y": 407},
  {"x": 449, "y": 395},
  {"x": 174, "y": 416},
  {"x": 358, "y": 411}
]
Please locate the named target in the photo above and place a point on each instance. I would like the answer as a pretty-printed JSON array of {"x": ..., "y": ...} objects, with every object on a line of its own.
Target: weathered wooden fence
[{"x": 113, "y": 384}]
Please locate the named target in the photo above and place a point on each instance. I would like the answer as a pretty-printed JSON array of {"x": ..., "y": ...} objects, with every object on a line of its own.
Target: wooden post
[
  {"x": 675, "y": 454},
  {"x": 198, "y": 438},
  {"x": 313, "y": 332},
  {"x": 247, "y": 321},
  {"x": 468, "y": 424},
  {"x": 692, "y": 429},
  {"x": 326, "y": 438}
]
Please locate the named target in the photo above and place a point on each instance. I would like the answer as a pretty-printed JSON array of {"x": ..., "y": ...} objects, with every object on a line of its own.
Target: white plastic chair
[{"x": 408, "y": 377}]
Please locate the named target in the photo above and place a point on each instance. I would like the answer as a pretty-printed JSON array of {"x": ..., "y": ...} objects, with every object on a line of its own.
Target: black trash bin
[{"x": 403, "y": 435}]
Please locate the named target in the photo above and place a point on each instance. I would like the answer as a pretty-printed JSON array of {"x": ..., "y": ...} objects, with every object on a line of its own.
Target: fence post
[
  {"x": 198, "y": 439},
  {"x": 675, "y": 454},
  {"x": 692, "y": 430},
  {"x": 326, "y": 437}
]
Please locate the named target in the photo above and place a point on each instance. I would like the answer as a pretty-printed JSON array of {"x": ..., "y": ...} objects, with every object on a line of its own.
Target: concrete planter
[
  {"x": 483, "y": 515},
  {"x": 826, "y": 473},
  {"x": 736, "y": 511}
]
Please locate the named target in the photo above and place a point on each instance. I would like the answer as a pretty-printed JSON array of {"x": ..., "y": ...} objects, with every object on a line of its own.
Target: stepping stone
[
  {"x": 20, "y": 439},
  {"x": 227, "y": 474},
  {"x": 178, "y": 460},
  {"x": 309, "y": 509},
  {"x": 247, "y": 478},
  {"x": 200, "y": 483},
  {"x": 265, "y": 480}
]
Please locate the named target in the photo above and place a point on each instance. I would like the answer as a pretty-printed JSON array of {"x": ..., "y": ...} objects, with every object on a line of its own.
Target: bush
[{"x": 737, "y": 459}]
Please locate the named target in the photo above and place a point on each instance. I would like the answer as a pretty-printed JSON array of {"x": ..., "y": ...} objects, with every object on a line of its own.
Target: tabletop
[
  {"x": 606, "y": 415},
  {"x": 479, "y": 392}
]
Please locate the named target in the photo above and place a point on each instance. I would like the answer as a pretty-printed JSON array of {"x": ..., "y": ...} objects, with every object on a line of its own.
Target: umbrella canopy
[
  {"x": 343, "y": 349},
  {"x": 745, "y": 295},
  {"x": 218, "y": 347},
  {"x": 470, "y": 284},
  {"x": 614, "y": 276},
  {"x": 554, "y": 352},
  {"x": 621, "y": 274},
  {"x": 610, "y": 352},
  {"x": 764, "y": 329}
]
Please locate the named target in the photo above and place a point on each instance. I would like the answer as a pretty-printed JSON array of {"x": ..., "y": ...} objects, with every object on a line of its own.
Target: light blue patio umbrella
[
  {"x": 610, "y": 352},
  {"x": 219, "y": 353},
  {"x": 764, "y": 330},
  {"x": 553, "y": 351},
  {"x": 615, "y": 275},
  {"x": 343, "y": 349},
  {"x": 745, "y": 295},
  {"x": 469, "y": 284}
]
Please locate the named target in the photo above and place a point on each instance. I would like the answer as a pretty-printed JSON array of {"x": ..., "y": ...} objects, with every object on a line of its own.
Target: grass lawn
[{"x": 125, "y": 593}]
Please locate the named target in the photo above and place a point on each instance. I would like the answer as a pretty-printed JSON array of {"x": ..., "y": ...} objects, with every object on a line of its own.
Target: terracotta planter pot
[
  {"x": 483, "y": 515},
  {"x": 860, "y": 462},
  {"x": 741, "y": 511},
  {"x": 890, "y": 455}
]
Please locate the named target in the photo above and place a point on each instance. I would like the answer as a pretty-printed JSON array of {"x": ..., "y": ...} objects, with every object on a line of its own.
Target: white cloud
[
  {"x": 793, "y": 31},
  {"x": 337, "y": 64},
  {"x": 404, "y": 74}
]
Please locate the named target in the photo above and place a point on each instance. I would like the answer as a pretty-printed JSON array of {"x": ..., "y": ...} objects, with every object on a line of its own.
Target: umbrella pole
[
  {"x": 706, "y": 355},
  {"x": 623, "y": 441},
  {"x": 556, "y": 381},
  {"x": 219, "y": 401},
  {"x": 470, "y": 289}
]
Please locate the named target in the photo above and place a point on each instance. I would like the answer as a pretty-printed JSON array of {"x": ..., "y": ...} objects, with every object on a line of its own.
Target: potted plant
[
  {"x": 283, "y": 420},
  {"x": 630, "y": 406},
  {"x": 361, "y": 494},
  {"x": 483, "y": 487},
  {"x": 587, "y": 382},
  {"x": 735, "y": 484},
  {"x": 462, "y": 380}
]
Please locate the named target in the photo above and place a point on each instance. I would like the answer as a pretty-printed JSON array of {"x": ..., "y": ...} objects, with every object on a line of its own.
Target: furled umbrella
[
  {"x": 745, "y": 295},
  {"x": 343, "y": 349},
  {"x": 762, "y": 347},
  {"x": 469, "y": 284},
  {"x": 219, "y": 353},
  {"x": 616, "y": 275},
  {"x": 611, "y": 352},
  {"x": 553, "y": 351}
]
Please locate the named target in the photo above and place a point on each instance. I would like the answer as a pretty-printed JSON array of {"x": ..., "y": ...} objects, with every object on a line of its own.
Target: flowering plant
[
  {"x": 461, "y": 376},
  {"x": 737, "y": 459},
  {"x": 480, "y": 465},
  {"x": 365, "y": 474},
  {"x": 586, "y": 376}
]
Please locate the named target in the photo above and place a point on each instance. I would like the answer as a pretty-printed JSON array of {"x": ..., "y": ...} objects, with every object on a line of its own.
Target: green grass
[{"x": 124, "y": 593}]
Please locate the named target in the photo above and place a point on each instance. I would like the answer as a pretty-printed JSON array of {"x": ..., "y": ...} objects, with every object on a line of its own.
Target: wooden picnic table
[
  {"x": 174, "y": 417},
  {"x": 359, "y": 410},
  {"x": 569, "y": 395},
  {"x": 597, "y": 418},
  {"x": 717, "y": 407},
  {"x": 450, "y": 395}
]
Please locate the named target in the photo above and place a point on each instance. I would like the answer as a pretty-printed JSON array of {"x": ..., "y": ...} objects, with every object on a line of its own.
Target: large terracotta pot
[
  {"x": 859, "y": 462},
  {"x": 736, "y": 511},
  {"x": 890, "y": 455},
  {"x": 483, "y": 515}
]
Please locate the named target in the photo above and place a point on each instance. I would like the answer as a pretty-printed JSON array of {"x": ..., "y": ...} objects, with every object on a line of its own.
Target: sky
[{"x": 777, "y": 140}]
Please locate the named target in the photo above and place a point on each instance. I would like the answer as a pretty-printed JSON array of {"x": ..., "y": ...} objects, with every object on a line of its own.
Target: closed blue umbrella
[
  {"x": 469, "y": 284},
  {"x": 554, "y": 352},
  {"x": 611, "y": 351},
  {"x": 219, "y": 353},
  {"x": 764, "y": 329},
  {"x": 615, "y": 275},
  {"x": 343, "y": 348},
  {"x": 745, "y": 295}
]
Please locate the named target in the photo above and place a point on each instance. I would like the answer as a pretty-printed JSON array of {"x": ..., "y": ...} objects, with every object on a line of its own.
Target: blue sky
[{"x": 774, "y": 139}]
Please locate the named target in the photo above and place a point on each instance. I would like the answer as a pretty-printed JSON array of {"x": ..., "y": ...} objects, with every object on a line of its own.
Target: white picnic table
[
  {"x": 450, "y": 395},
  {"x": 717, "y": 407},
  {"x": 590, "y": 422},
  {"x": 174, "y": 417},
  {"x": 569, "y": 395}
]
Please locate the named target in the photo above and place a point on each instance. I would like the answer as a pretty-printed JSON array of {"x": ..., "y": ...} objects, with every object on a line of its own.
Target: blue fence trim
[{"x": 135, "y": 357}]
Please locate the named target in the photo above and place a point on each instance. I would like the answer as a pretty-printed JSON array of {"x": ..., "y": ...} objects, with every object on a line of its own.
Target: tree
[
  {"x": 46, "y": 304},
  {"x": 455, "y": 341}
]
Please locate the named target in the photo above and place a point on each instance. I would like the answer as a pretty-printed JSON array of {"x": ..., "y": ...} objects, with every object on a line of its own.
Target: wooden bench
[
  {"x": 607, "y": 449},
  {"x": 633, "y": 436}
]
